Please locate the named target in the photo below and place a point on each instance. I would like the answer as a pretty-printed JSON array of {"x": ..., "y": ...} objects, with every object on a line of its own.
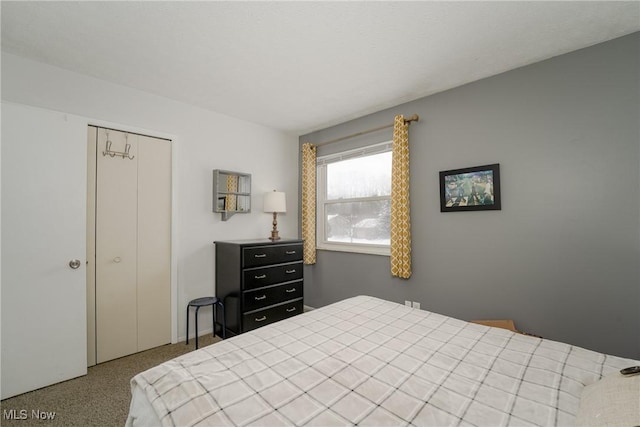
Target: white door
[{"x": 43, "y": 228}]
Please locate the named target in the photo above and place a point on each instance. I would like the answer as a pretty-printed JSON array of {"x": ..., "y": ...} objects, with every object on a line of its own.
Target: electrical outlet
[
  {"x": 407, "y": 303},
  {"x": 416, "y": 304}
]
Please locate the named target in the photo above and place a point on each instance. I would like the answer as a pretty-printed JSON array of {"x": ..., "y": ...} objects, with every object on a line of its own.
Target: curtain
[
  {"x": 309, "y": 202},
  {"x": 400, "y": 217}
]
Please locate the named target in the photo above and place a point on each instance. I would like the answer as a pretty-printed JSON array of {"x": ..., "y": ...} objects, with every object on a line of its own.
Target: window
[{"x": 354, "y": 200}]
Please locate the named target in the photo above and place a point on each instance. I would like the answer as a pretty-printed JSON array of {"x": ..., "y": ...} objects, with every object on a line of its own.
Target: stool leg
[
  {"x": 187, "y": 343},
  {"x": 197, "y": 308},
  {"x": 224, "y": 322},
  {"x": 213, "y": 315}
]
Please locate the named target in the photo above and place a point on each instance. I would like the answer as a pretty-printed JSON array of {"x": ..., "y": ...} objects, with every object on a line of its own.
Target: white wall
[{"x": 203, "y": 141}]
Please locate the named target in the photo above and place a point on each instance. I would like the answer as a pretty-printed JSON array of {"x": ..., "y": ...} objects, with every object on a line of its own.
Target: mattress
[{"x": 368, "y": 361}]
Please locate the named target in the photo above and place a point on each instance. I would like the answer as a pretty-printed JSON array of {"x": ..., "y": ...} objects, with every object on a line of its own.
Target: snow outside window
[{"x": 354, "y": 200}]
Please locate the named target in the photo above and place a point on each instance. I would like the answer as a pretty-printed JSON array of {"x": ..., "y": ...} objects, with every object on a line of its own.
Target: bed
[{"x": 368, "y": 361}]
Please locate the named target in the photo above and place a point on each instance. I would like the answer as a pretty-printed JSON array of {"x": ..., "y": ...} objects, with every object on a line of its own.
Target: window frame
[{"x": 322, "y": 202}]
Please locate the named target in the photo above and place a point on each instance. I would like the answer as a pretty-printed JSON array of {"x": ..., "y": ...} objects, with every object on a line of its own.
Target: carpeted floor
[{"x": 100, "y": 398}]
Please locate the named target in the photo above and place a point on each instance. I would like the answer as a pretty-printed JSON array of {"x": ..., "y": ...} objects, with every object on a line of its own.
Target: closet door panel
[
  {"x": 116, "y": 253},
  {"x": 92, "y": 151},
  {"x": 154, "y": 242}
]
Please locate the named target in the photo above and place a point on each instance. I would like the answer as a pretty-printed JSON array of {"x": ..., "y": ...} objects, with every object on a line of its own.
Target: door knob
[
  {"x": 117, "y": 259},
  {"x": 74, "y": 263}
]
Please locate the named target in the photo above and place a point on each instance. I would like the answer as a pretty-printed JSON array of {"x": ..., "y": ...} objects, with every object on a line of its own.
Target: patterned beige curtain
[
  {"x": 309, "y": 202},
  {"x": 400, "y": 213}
]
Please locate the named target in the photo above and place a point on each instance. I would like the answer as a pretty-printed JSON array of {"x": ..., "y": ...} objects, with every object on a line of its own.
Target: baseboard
[{"x": 192, "y": 334}]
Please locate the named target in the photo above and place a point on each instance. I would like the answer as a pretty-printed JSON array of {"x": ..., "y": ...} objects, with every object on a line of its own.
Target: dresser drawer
[
  {"x": 265, "y": 276},
  {"x": 269, "y": 315},
  {"x": 265, "y": 297},
  {"x": 267, "y": 255}
]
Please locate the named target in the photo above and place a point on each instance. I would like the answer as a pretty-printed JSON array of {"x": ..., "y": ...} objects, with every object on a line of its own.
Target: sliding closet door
[
  {"x": 116, "y": 248},
  {"x": 154, "y": 242},
  {"x": 132, "y": 288}
]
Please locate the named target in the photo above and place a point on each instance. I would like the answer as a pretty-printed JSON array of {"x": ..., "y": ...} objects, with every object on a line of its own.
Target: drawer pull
[
  {"x": 290, "y": 290},
  {"x": 260, "y": 298},
  {"x": 260, "y": 277},
  {"x": 290, "y": 252},
  {"x": 289, "y": 310},
  {"x": 261, "y": 319},
  {"x": 260, "y": 255},
  {"x": 290, "y": 271}
]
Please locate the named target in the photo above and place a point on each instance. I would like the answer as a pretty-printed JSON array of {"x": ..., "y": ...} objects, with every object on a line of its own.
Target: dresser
[{"x": 260, "y": 281}]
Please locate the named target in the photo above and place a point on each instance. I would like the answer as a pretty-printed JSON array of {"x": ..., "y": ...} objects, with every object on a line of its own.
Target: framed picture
[
  {"x": 222, "y": 202},
  {"x": 470, "y": 189}
]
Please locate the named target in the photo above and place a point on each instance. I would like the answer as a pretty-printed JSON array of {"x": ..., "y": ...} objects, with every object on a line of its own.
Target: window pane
[
  {"x": 367, "y": 176},
  {"x": 359, "y": 222}
]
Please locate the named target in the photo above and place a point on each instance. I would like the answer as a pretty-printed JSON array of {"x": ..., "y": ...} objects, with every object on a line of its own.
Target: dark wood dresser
[{"x": 260, "y": 281}]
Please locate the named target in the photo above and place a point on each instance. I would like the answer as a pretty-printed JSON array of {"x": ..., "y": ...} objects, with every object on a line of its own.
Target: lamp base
[
  {"x": 274, "y": 232},
  {"x": 274, "y": 235}
]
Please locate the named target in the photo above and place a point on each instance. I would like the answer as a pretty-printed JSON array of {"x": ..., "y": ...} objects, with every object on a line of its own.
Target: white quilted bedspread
[{"x": 367, "y": 361}]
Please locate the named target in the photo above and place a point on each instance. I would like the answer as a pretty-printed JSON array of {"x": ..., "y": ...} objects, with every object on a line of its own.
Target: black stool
[{"x": 203, "y": 302}]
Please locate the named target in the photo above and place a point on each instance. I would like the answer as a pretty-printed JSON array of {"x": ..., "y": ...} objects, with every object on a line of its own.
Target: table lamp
[{"x": 275, "y": 202}]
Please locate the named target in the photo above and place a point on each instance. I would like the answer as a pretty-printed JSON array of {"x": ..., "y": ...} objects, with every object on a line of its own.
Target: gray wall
[{"x": 562, "y": 256}]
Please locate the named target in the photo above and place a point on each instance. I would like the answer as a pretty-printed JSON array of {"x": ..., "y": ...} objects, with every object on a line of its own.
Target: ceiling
[{"x": 304, "y": 66}]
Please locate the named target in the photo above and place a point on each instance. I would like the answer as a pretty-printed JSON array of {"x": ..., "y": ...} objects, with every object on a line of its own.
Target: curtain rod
[{"x": 342, "y": 138}]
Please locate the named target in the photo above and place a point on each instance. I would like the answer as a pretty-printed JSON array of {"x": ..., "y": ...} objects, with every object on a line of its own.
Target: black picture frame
[{"x": 471, "y": 189}]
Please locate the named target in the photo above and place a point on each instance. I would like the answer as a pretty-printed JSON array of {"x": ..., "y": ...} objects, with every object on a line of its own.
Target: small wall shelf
[{"x": 231, "y": 193}]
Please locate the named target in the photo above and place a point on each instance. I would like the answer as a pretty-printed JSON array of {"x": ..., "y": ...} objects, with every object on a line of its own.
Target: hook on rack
[{"x": 124, "y": 154}]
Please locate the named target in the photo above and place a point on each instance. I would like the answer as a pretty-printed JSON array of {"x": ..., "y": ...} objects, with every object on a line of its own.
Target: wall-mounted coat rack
[{"x": 124, "y": 154}]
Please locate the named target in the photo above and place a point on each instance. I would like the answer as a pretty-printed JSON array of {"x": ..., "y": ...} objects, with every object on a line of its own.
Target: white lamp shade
[{"x": 275, "y": 201}]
